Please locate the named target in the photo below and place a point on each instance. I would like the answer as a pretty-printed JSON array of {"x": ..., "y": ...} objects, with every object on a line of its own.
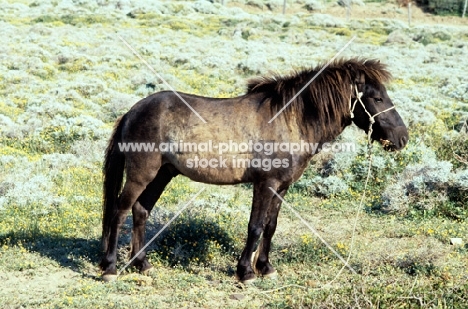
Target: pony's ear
[{"x": 360, "y": 78}]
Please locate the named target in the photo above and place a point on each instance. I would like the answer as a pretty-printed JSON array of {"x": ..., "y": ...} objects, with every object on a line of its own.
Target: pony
[{"x": 297, "y": 109}]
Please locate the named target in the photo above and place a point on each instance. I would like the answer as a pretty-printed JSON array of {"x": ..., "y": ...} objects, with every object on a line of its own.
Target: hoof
[
  {"x": 249, "y": 279},
  {"x": 109, "y": 277},
  {"x": 148, "y": 271},
  {"x": 273, "y": 275},
  {"x": 265, "y": 270}
]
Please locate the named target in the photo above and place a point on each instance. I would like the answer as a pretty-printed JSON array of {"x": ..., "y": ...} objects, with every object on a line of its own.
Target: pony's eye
[{"x": 378, "y": 100}]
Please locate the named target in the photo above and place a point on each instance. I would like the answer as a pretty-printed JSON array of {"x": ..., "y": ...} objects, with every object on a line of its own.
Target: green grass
[{"x": 197, "y": 255}]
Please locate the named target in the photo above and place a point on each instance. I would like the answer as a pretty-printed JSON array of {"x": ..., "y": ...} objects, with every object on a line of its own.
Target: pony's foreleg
[
  {"x": 141, "y": 211},
  {"x": 261, "y": 261},
  {"x": 262, "y": 199}
]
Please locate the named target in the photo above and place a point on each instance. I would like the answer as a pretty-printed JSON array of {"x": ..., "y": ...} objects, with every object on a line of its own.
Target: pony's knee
[
  {"x": 139, "y": 211},
  {"x": 256, "y": 229}
]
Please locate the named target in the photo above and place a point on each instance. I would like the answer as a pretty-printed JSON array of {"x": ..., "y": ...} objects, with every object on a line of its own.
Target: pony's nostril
[{"x": 403, "y": 140}]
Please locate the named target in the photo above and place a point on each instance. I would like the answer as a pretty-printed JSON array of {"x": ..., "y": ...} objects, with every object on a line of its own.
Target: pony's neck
[
  {"x": 325, "y": 130},
  {"x": 317, "y": 137}
]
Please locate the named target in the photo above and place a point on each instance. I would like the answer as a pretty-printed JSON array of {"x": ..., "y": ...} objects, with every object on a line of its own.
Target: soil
[{"x": 41, "y": 285}]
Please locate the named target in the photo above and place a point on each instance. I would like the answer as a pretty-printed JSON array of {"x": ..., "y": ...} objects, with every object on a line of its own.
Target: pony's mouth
[{"x": 387, "y": 145}]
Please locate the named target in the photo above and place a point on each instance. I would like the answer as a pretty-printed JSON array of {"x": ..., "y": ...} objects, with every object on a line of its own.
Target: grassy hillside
[{"x": 66, "y": 77}]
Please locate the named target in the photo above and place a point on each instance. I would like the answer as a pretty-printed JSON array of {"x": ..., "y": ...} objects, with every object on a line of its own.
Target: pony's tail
[{"x": 113, "y": 172}]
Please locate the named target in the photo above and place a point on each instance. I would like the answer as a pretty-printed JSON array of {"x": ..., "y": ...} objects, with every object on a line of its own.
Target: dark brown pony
[{"x": 346, "y": 91}]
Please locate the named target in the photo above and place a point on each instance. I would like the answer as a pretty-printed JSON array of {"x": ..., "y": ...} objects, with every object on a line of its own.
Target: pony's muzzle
[{"x": 395, "y": 139}]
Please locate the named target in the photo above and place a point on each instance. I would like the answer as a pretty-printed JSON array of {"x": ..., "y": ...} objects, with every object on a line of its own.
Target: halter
[{"x": 371, "y": 117}]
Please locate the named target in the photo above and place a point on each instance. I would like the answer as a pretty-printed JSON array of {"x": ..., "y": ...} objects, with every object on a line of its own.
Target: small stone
[
  {"x": 456, "y": 241},
  {"x": 237, "y": 296},
  {"x": 214, "y": 282}
]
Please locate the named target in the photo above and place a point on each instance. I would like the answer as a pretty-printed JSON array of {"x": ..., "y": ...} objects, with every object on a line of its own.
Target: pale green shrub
[
  {"x": 313, "y": 5},
  {"x": 427, "y": 186},
  {"x": 206, "y": 7},
  {"x": 323, "y": 20}
]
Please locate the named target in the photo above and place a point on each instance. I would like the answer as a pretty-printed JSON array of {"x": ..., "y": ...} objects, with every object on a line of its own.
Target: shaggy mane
[{"x": 326, "y": 99}]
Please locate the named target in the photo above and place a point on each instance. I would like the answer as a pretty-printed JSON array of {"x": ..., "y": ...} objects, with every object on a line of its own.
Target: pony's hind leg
[
  {"x": 261, "y": 261},
  {"x": 136, "y": 182},
  {"x": 141, "y": 211},
  {"x": 262, "y": 200}
]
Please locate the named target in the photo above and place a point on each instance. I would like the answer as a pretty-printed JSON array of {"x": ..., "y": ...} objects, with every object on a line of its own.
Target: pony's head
[{"x": 372, "y": 109}]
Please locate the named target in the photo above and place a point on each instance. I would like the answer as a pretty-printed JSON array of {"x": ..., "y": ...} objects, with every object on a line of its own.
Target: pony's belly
[
  {"x": 209, "y": 168},
  {"x": 227, "y": 168},
  {"x": 215, "y": 177}
]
